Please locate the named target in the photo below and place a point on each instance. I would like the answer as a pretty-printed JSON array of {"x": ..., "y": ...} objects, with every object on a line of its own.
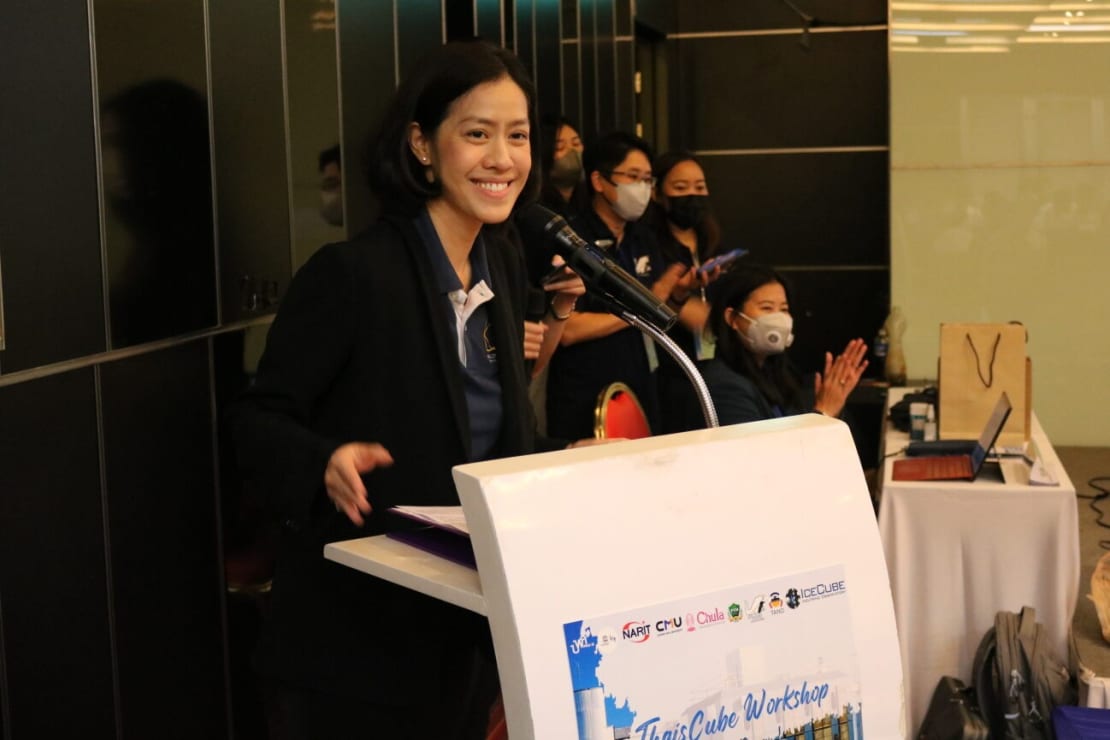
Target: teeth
[{"x": 493, "y": 187}]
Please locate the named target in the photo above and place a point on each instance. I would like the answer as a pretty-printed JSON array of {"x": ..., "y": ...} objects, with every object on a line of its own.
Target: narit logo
[
  {"x": 776, "y": 601},
  {"x": 636, "y": 631},
  {"x": 735, "y": 612}
]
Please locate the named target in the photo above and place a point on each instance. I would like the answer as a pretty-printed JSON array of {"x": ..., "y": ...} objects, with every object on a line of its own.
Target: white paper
[{"x": 444, "y": 517}]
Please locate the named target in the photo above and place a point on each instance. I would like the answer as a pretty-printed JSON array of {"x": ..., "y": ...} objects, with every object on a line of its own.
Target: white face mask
[
  {"x": 771, "y": 333},
  {"x": 632, "y": 200}
]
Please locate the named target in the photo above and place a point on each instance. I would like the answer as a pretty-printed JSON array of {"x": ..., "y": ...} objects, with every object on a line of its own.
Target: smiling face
[{"x": 480, "y": 154}]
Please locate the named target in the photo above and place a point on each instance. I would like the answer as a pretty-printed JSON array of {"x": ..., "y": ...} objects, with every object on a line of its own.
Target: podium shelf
[{"x": 412, "y": 568}]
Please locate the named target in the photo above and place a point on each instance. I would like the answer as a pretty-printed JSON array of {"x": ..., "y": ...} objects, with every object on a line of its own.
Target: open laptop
[{"x": 957, "y": 467}]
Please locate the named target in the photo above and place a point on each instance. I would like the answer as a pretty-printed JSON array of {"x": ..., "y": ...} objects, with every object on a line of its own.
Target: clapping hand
[{"x": 841, "y": 375}]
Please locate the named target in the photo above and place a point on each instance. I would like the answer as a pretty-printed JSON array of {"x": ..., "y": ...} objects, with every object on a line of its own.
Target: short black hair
[
  {"x": 439, "y": 79},
  {"x": 607, "y": 153}
]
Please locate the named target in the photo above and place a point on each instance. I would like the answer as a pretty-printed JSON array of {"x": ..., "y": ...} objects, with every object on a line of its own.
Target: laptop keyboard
[{"x": 943, "y": 468}]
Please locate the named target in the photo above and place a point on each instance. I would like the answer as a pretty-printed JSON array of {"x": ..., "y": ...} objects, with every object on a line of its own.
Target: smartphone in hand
[
  {"x": 559, "y": 272},
  {"x": 721, "y": 260}
]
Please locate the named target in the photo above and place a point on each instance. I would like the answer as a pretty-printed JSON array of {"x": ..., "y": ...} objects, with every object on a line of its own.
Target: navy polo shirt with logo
[
  {"x": 579, "y": 372},
  {"x": 466, "y": 312}
]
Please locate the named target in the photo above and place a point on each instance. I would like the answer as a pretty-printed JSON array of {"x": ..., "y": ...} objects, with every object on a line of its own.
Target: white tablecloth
[{"x": 958, "y": 552}]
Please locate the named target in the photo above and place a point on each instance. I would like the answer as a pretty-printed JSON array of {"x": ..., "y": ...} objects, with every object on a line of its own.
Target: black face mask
[{"x": 687, "y": 211}]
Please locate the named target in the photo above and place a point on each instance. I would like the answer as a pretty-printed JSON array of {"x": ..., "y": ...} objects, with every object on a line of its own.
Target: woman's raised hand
[{"x": 841, "y": 375}]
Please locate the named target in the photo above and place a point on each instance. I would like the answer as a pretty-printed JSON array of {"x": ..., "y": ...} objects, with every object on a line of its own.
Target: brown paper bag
[{"x": 977, "y": 363}]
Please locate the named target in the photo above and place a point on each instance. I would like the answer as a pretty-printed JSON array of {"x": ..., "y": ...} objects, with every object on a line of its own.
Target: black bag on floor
[
  {"x": 953, "y": 714},
  {"x": 1018, "y": 680}
]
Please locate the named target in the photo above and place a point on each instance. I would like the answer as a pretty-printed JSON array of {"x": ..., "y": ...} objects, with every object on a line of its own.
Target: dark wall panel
[
  {"x": 367, "y": 77},
  {"x": 252, "y": 177},
  {"x": 166, "y": 564},
  {"x": 804, "y": 209},
  {"x": 759, "y": 92},
  {"x": 524, "y": 34},
  {"x": 605, "y": 65},
  {"x": 312, "y": 90},
  {"x": 57, "y": 641},
  {"x": 624, "y": 113},
  {"x": 588, "y": 67},
  {"x": 548, "y": 78},
  {"x": 49, "y": 222},
  {"x": 832, "y": 307},
  {"x": 572, "y": 90},
  {"x": 714, "y": 15},
  {"x": 155, "y": 148},
  {"x": 622, "y": 10},
  {"x": 658, "y": 15},
  {"x": 419, "y": 28},
  {"x": 489, "y": 26}
]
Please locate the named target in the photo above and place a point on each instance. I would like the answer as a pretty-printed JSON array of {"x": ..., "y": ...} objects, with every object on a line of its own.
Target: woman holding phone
[
  {"x": 688, "y": 234},
  {"x": 394, "y": 357}
]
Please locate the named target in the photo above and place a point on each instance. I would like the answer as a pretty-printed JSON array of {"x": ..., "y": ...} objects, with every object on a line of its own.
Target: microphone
[{"x": 603, "y": 277}]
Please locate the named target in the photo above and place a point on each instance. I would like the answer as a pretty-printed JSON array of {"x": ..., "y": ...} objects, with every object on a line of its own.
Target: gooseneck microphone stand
[{"x": 687, "y": 365}]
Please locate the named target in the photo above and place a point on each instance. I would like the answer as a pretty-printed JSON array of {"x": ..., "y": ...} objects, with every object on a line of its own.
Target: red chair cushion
[{"x": 625, "y": 418}]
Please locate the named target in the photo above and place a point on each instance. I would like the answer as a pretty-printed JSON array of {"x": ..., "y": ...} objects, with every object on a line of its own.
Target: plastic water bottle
[
  {"x": 878, "y": 353},
  {"x": 895, "y": 369}
]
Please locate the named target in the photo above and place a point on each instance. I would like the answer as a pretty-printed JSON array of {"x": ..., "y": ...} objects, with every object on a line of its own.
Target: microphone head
[{"x": 541, "y": 219}]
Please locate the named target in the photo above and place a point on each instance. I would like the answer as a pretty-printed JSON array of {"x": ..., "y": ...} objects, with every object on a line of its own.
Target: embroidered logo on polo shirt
[
  {"x": 643, "y": 265},
  {"x": 487, "y": 341}
]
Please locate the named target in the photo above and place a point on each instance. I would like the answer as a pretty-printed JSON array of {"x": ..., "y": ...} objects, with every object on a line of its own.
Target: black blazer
[{"x": 360, "y": 351}]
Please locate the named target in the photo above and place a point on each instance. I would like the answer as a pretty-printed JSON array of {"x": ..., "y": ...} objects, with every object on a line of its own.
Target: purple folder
[{"x": 447, "y": 544}]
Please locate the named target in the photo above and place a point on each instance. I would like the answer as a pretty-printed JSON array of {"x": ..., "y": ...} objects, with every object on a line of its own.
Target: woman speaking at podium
[{"x": 394, "y": 357}]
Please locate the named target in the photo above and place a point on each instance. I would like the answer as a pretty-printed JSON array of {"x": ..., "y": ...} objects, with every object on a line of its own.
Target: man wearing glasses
[{"x": 598, "y": 348}]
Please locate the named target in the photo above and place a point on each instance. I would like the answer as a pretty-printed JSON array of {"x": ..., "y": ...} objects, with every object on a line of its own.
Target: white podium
[{"x": 719, "y": 584}]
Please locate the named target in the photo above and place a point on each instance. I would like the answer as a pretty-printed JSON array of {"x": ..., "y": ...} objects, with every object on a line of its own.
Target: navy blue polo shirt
[
  {"x": 467, "y": 314},
  {"x": 579, "y": 372}
]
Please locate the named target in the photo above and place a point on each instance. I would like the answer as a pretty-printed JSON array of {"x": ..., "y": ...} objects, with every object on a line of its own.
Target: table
[{"x": 957, "y": 552}]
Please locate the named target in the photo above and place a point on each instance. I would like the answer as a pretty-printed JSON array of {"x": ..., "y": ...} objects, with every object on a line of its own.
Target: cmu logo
[{"x": 636, "y": 631}]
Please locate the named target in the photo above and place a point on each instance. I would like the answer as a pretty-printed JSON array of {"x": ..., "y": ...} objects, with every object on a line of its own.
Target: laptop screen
[{"x": 991, "y": 431}]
